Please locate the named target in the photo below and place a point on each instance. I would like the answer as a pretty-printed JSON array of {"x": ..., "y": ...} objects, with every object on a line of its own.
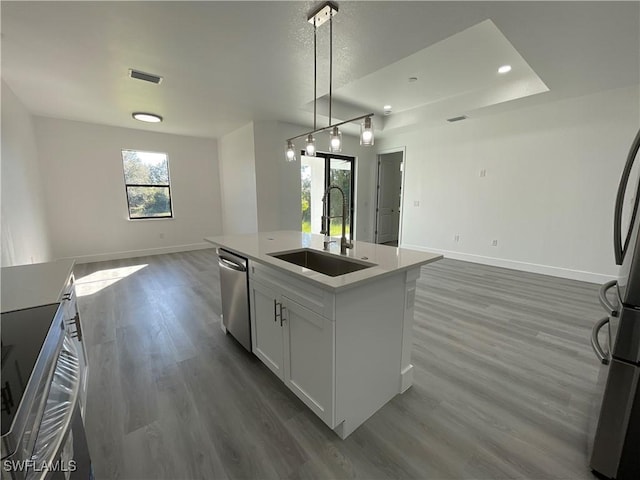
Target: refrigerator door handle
[
  {"x": 618, "y": 248},
  {"x": 595, "y": 344},
  {"x": 604, "y": 301}
]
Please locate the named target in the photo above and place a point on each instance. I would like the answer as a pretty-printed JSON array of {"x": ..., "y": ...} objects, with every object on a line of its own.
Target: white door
[
  {"x": 389, "y": 197},
  {"x": 309, "y": 355},
  {"x": 266, "y": 327}
]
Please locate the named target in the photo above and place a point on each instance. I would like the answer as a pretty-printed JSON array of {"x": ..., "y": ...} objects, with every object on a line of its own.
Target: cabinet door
[
  {"x": 309, "y": 358},
  {"x": 73, "y": 325},
  {"x": 266, "y": 328}
]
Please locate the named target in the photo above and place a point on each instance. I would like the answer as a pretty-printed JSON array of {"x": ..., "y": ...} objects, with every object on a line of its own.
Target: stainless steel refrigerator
[{"x": 615, "y": 451}]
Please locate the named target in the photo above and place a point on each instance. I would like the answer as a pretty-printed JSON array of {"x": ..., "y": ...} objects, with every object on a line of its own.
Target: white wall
[
  {"x": 548, "y": 195},
  {"x": 25, "y": 237},
  {"x": 238, "y": 181},
  {"x": 86, "y": 202},
  {"x": 269, "y": 176}
]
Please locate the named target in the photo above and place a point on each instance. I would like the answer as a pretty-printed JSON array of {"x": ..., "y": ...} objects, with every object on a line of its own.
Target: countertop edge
[{"x": 323, "y": 284}]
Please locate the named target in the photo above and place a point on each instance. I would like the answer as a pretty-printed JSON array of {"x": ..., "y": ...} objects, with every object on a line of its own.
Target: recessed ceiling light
[
  {"x": 147, "y": 117},
  {"x": 387, "y": 109},
  {"x": 504, "y": 69},
  {"x": 413, "y": 79}
]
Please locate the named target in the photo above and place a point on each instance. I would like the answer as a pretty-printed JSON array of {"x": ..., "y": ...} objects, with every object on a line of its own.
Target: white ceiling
[{"x": 227, "y": 63}]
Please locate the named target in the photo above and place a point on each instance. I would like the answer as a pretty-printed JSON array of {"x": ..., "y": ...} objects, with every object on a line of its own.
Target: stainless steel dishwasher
[{"x": 234, "y": 293}]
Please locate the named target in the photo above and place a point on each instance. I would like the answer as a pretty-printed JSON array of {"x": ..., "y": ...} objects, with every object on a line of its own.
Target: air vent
[
  {"x": 147, "y": 77},
  {"x": 456, "y": 119}
]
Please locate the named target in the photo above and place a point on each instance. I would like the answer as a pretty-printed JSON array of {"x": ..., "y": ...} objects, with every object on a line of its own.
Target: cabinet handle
[
  {"x": 7, "y": 398},
  {"x": 276, "y": 315},
  {"x": 76, "y": 321},
  {"x": 282, "y": 319},
  {"x": 66, "y": 296}
]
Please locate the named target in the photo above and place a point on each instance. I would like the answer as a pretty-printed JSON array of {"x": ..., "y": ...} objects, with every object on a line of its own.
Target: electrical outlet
[
  {"x": 483, "y": 172},
  {"x": 416, "y": 203},
  {"x": 456, "y": 238},
  {"x": 494, "y": 243}
]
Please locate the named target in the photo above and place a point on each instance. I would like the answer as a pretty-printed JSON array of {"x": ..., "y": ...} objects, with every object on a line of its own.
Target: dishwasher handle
[{"x": 228, "y": 264}]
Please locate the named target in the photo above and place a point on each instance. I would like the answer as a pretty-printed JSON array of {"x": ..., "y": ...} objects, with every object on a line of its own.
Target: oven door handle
[
  {"x": 59, "y": 408},
  {"x": 603, "y": 356}
]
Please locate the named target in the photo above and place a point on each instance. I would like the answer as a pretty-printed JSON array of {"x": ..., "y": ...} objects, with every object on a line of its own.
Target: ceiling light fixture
[
  {"x": 323, "y": 13},
  {"x": 504, "y": 69},
  {"x": 291, "y": 152},
  {"x": 387, "y": 109},
  {"x": 310, "y": 150},
  {"x": 366, "y": 132},
  {"x": 147, "y": 117}
]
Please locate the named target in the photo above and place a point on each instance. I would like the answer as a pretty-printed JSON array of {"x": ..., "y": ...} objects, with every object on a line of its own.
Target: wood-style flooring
[{"x": 504, "y": 379}]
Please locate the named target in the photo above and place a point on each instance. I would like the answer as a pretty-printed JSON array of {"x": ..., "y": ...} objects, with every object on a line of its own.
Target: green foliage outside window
[{"x": 146, "y": 177}]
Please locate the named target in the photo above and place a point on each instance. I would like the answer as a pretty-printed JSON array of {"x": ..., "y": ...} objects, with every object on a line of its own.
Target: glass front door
[{"x": 317, "y": 174}]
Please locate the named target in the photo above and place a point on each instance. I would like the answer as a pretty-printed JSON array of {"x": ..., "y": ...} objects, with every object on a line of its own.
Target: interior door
[{"x": 389, "y": 197}]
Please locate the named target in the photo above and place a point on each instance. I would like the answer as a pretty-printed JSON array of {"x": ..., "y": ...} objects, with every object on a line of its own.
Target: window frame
[{"x": 146, "y": 185}]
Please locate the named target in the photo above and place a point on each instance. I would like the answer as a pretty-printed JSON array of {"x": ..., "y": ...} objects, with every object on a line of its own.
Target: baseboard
[
  {"x": 101, "y": 257},
  {"x": 581, "y": 275}
]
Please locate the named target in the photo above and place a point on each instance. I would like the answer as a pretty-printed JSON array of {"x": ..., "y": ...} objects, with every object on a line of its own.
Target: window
[
  {"x": 316, "y": 174},
  {"x": 146, "y": 179}
]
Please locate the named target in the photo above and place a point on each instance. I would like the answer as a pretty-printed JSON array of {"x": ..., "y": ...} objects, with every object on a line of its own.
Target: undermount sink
[{"x": 321, "y": 262}]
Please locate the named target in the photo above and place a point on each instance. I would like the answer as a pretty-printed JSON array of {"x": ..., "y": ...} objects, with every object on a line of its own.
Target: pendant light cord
[
  {"x": 330, "y": 61},
  {"x": 315, "y": 72}
]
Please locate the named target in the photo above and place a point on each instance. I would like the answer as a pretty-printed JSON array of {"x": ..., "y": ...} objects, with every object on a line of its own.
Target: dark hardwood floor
[{"x": 504, "y": 379}]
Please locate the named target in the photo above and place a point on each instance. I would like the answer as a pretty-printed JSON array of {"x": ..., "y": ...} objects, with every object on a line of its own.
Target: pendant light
[
  {"x": 323, "y": 13},
  {"x": 310, "y": 150},
  {"x": 366, "y": 132},
  {"x": 291, "y": 151},
  {"x": 335, "y": 140}
]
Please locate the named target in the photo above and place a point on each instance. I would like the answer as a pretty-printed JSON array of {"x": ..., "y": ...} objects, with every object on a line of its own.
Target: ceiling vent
[
  {"x": 456, "y": 119},
  {"x": 147, "y": 77}
]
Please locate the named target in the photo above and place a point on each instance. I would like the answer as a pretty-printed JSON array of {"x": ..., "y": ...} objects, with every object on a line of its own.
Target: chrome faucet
[{"x": 326, "y": 220}]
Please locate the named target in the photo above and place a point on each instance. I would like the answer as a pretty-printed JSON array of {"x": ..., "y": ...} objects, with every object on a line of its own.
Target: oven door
[{"x": 59, "y": 450}]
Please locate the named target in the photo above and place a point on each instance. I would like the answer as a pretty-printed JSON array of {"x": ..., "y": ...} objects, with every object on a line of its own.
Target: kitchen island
[{"x": 340, "y": 341}]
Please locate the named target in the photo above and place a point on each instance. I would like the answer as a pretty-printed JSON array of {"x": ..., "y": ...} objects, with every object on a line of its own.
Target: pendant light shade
[
  {"x": 366, "y": 132},
  {"x": 335, "y": 140},
  {"x": 291, "y": 152},
  {"x": 310, "y": 150}
]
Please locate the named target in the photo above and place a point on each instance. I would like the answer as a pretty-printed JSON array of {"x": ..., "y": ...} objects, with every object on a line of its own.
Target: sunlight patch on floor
[{"x": 96, "y": 281}]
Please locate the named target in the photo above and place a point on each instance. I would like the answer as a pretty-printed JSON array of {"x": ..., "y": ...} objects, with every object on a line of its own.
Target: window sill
[{"x": 153, "y": 219}]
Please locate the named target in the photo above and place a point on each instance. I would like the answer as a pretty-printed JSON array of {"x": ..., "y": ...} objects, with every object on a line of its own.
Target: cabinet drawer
[{"x": 306, "y": 294}]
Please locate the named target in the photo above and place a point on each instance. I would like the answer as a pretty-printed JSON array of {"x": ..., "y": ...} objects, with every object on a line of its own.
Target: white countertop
[
  {"x": 26, "y": 286},
  {"x": 387, "y": 260}
]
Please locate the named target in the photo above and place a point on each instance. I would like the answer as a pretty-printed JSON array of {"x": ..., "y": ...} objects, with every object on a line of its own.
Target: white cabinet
[
  {"x": 266, "y": 330},
  {"x": 344, "y": 353},
  {"x": 309, "y": 358},
  {"x": 296, "y": 344}
]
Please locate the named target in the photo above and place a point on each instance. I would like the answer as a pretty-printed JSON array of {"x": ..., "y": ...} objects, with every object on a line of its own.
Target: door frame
[
  {"x": 327, "y": 173},
  {"x": 386, "y": 151}
]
